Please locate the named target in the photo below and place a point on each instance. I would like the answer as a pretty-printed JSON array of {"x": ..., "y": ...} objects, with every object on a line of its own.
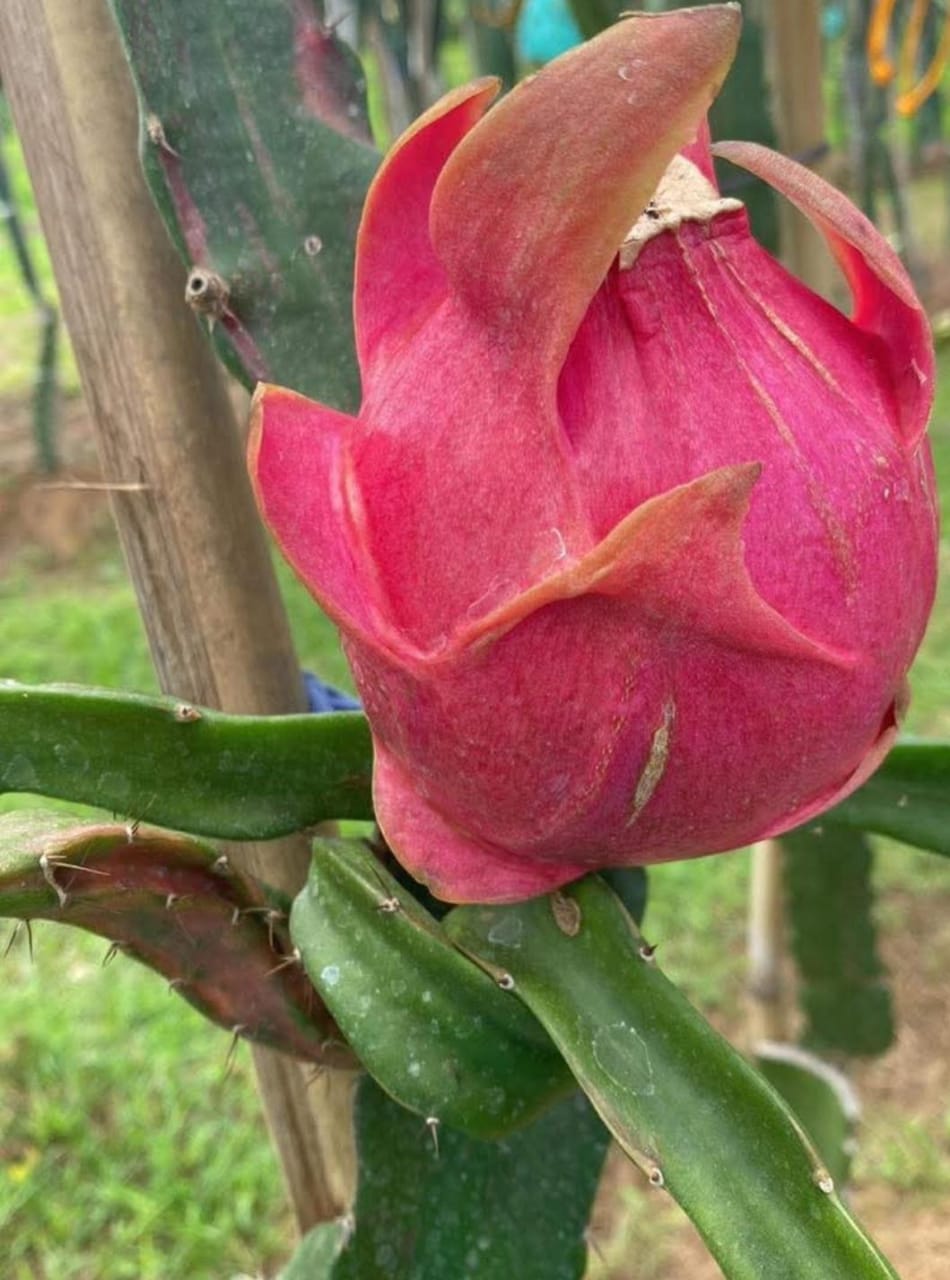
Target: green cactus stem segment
[
  {"x": 218, "y": 937},
  {"x": 842, "y": 986},
  {"x": 514, "y": 1209},
  {"x": 435, "y": 1031},
  {"x": 233, "y": 777},
  {"x": 257, "y": 151},
  {"x": 908, "y": 798},
  {"x": 821, "y": 1097},
  {"x": 259, "y": 777},
  {"x": 692, "y": 1113}
]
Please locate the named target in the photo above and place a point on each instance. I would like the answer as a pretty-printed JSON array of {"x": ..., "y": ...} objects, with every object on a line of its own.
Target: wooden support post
[
  {"x": 795, "y": 68},
  {"x": 766, "y": 945},
  {"x": 191, "y": 536}
]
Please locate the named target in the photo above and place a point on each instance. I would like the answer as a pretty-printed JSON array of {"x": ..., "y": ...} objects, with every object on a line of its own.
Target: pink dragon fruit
[{"x": 634, "y": 537}]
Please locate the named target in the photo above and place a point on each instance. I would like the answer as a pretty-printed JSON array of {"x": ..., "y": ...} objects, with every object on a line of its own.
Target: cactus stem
[{"x": 432, "y": 1124}]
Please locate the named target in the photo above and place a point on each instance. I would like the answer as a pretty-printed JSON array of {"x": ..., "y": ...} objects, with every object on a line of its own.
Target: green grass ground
[{"x": 127, "y": 1150}]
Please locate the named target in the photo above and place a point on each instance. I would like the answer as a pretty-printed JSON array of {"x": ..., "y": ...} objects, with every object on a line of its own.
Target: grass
[{"x": 127, "y": 1149}]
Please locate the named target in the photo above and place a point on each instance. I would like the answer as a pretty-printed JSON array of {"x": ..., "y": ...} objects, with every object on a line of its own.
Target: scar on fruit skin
[{"x": 655, "y": 766}]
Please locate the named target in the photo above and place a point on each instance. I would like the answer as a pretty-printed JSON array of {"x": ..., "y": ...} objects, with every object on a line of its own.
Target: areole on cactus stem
[{"x": 634, "y": 537}]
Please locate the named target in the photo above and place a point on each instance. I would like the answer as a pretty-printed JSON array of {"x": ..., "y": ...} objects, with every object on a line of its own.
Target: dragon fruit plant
[{"x": 631, "y": 540}]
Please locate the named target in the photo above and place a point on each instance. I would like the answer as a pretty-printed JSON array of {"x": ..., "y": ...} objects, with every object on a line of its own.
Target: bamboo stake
[
  {"x": 795, "y": 57},
  {"x": 166, "y": 432},
  {"x": 766, "y": 937}
]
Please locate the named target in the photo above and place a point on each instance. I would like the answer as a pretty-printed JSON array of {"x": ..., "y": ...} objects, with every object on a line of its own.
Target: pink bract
[{"x": 634, "y": 537}]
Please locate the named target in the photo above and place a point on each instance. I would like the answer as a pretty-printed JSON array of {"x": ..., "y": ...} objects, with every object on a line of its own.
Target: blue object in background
[
  {"x": 323, "y": 697},
  {"x": 545, "y": 29},
  {"x": 834, "y": 21}
]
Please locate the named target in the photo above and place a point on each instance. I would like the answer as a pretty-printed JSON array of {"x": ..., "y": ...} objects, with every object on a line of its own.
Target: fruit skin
[{"x": 634, "y": 538}]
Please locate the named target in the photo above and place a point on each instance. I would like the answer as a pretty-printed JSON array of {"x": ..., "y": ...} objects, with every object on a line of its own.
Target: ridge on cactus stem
[{"x": 634, "y": 537}]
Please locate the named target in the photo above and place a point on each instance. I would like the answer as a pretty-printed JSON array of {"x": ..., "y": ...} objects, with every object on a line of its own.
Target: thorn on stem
[
  {"x": 156, "y": 134},
  {"x": 185, "y": 713},
  {"x": 647, "y": 952},
  {"x": 47, "y": 864},
  {"x": 207, "y": 293},
  {"x": 590, "y": 1239},
  {"x": 272, "y": 918},
  {"x": 432, "y": 1124},
  {"x": 506, "y": 982},
  {"x": 50, "y": 863},
  {"x": 389, "y": 904},
  {"x": 27, "y": 926},
  {"x": 132, "y": 828},
  {"x": 294, "y": 958},
  {"x": 113, "y": 951},
  {"x": 236, "y": 1032}
]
